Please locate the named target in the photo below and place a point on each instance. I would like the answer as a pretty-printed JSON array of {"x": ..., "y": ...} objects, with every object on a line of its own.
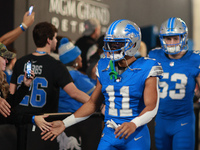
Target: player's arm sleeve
[
  {"x": 71, "y": 120},
  {"x": 156, "y": 71},
  {"x": 148, "y": 116}
]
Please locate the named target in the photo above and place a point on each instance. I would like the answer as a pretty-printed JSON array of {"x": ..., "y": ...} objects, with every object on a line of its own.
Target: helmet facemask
[
  {"x": 116, "y": 48},
  {"x": 122, "y": 31},
  {"x": 173, "y": 48},
  {"x": 174, "y": 27},
  {"x": 122, "y": 39}
]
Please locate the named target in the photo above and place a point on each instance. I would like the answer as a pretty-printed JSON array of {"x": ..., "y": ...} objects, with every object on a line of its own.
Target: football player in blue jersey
[
  {"x": 130, "y": 89},
  {"x": 175, "y": 120}
]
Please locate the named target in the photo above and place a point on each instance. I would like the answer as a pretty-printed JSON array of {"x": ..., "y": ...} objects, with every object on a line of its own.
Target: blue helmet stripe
[
  {"x": 170, "y": 24},
  {"x": 113, "y": 25},
  {"x": 173, "y": 23}
]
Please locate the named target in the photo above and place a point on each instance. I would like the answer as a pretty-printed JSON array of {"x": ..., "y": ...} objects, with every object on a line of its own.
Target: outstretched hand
[
  {"x": 125, "y": 130},
  {"x": 42, "y": 124},
  {"x": 57, "y": 128}
]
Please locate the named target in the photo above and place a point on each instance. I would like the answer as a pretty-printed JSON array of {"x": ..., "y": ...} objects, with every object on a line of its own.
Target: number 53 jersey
[
  {"x": 124, "y": 95},
  {"x": 178, "y": 83}
]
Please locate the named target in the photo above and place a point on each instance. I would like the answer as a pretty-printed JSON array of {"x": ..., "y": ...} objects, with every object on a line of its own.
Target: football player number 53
[{"x": 179, "y": 92}]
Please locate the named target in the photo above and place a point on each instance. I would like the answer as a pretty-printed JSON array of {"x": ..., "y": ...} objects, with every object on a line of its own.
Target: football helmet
[
  {"x": 122, "y": 38},
  {"x": 174, "y": 27}
]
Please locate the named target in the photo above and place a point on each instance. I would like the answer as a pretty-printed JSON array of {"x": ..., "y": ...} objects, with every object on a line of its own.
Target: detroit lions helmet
[
  {"x": 174, "y": 27},
  {"x": 122, "y": 38}
]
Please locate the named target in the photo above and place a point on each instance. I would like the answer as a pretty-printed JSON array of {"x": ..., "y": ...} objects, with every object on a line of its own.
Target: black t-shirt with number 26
[{"x": 50, "y": 75}]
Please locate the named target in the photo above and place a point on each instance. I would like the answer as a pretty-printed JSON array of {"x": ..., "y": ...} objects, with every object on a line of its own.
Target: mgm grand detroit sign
[{"x": 69, "y": 15}]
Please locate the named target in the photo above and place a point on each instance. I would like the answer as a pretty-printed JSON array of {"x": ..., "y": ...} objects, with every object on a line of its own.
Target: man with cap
[
  {"x": 70, "y": 55},
  {"x": 89, "y": 38}
]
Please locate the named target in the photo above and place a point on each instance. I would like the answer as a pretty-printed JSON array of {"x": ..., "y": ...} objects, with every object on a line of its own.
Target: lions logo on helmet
[
  {"x": 131, "y": 31},
  {"x": 122, "y": 38}
]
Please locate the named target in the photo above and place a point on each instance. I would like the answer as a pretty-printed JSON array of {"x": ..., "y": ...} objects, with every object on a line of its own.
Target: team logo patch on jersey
[
  {"x": 171, "y": 64},
  {"x": 118, "y": 79}
]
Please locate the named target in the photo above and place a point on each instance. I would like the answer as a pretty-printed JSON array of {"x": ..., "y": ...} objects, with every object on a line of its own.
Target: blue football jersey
[
  {"x": 124, "y": 96},
  {"x": 178, "y": 83}
]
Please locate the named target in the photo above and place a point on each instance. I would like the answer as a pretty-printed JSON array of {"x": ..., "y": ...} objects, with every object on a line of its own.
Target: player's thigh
[
  {"x": 184, "y": 138},
  {"x": 163, "y": 140},
  {"x": 105, "y": 145},
  {"x": 140, "y": 140},
  {"x": 108, "y": 139}
]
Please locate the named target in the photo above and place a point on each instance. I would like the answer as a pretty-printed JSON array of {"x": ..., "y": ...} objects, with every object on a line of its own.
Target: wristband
[
  {"x": 21, "y": 26},
  {"x": 33, "y": 120},
  {"x": 24, "y": 25}
]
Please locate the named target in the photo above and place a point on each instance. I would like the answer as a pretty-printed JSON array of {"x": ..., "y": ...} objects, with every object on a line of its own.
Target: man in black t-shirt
[{"x": 50, "y": 75}]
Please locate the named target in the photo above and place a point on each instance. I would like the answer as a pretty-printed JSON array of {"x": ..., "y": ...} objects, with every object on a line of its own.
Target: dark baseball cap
[
  {"x": 5, "y": 53},
  {"x": 90, "y": 25}
]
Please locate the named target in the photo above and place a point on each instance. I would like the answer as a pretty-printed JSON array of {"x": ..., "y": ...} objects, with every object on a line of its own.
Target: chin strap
[{"x": 113, "y": 73}]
